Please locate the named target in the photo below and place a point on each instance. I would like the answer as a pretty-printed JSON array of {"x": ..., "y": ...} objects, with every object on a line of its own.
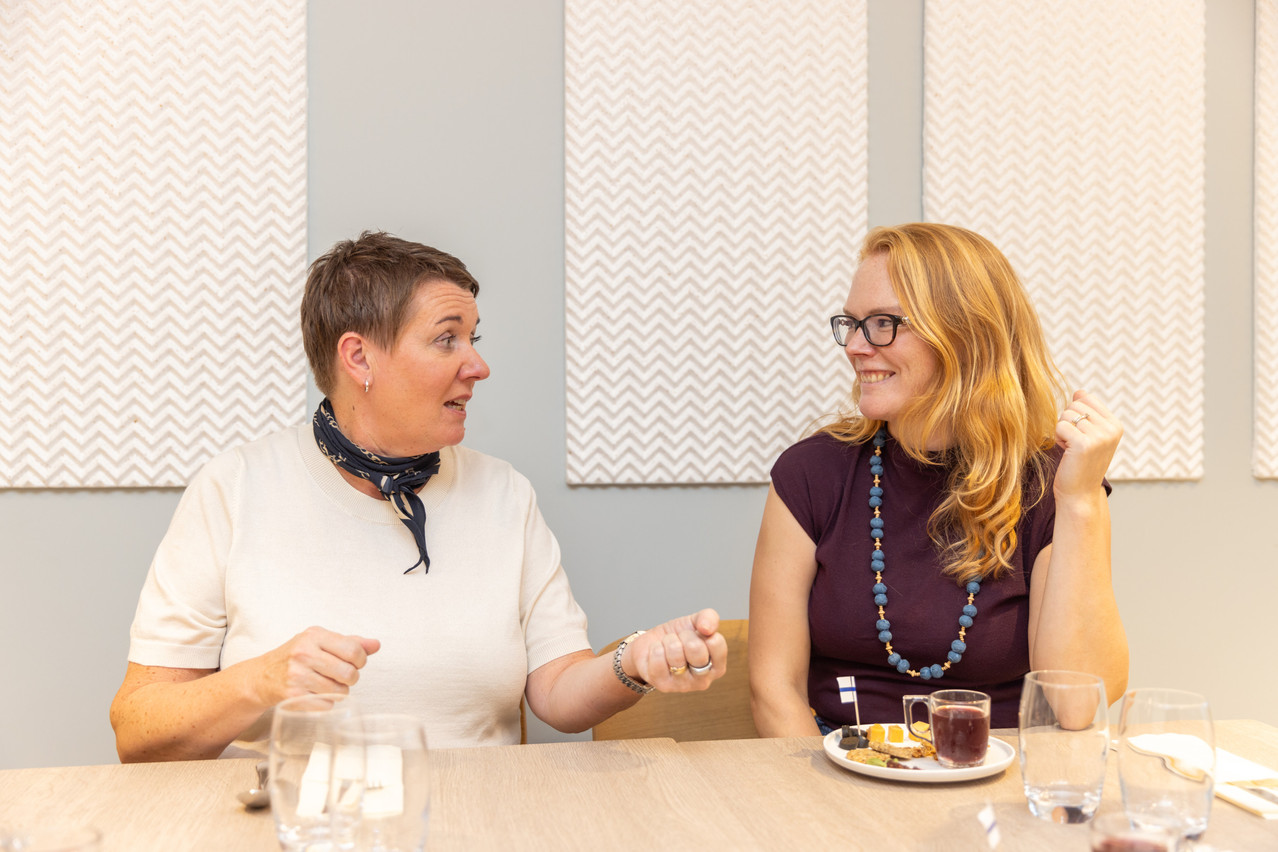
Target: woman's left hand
[
  {"x": 672, "y": 656},
  {"x": 1089, "y": 434}
]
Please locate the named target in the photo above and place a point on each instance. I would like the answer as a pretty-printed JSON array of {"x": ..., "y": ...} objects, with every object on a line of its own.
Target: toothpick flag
[{"x": 847, "y": 690}]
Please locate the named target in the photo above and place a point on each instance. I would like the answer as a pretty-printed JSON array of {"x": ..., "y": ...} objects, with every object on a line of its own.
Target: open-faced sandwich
[
  {"x": 875, "y": 758},
  {"x": 893, "y": 740}
]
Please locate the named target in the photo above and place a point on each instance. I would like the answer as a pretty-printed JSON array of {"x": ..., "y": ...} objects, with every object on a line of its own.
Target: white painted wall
[{"x": 443, "y": 122}]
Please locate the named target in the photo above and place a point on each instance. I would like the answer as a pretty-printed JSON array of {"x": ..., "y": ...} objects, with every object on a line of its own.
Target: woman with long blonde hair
[{"x": 953, "y": 530}]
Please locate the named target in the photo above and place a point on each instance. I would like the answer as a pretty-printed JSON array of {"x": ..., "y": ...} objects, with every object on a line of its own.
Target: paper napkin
[{"x": 1230, "y": 768}]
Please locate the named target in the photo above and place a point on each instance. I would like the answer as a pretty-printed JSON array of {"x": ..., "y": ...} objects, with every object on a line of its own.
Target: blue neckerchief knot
[{"x": 398, "y": 478}]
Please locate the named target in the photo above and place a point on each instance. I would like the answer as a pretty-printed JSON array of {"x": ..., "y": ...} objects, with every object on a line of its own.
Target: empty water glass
[
  {"x": 303, "y": 743},
  {"x": 1064, "y": 740},
  {"x": 382, "y": 784},
  {"x": 1167, "y": 759}
]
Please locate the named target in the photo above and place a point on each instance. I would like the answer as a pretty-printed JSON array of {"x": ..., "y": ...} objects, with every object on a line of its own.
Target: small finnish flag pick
[
  {"x": 847, "y": 690},
  {"x": 990, "y": 824}
]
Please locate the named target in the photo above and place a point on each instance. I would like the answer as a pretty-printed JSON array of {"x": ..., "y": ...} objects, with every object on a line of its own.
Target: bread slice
[{"x": 891, "y": 739}]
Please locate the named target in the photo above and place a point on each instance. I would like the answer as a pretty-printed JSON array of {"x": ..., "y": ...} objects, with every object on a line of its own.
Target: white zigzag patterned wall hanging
[
  {"x": 152, "y": 235},
  {"x": 715, "y": 200},
  {"x": 1072, "y": 135},
  {"x": 1265, "y": 441}
]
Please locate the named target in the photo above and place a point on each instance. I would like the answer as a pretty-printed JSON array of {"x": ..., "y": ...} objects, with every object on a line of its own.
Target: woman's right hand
[
  {"x": 1088, "y": 432},
  {"x": 162, "y": 713},
  {"x": 315, "y": 660}
]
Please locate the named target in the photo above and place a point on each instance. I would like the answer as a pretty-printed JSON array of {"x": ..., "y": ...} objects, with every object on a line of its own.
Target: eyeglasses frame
[{"x": 859, "y": 325}]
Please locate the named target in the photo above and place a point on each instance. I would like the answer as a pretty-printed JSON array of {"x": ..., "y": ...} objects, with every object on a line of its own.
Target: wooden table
[{"x": 625, "y": 794}]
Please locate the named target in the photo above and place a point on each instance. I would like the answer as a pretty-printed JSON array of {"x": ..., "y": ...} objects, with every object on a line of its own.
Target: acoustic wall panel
[
  {"x": 152, "y": 234},
  {"x": 1265, "y": 442},
  {"x": 715, "y": 199},
  {"x": 1072, "y": 135}
]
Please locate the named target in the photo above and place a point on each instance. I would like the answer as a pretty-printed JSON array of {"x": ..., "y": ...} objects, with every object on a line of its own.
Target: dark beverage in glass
[
  {"x": 960, "y": 725},
  {"x": 1114, "y": 832},
  {"x": 961, "y": 734},
  {"x": 1128, "y": 844}
]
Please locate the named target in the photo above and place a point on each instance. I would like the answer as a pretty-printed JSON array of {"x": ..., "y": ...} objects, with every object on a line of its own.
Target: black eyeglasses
[{"x": 879, "y": 329}]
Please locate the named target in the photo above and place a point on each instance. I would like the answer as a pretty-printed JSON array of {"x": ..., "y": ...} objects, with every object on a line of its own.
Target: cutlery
[
  {"x": 1262, "y": 787},
  {"x": 257, "y": 797},
  {"x": 1178, "y": 764}
]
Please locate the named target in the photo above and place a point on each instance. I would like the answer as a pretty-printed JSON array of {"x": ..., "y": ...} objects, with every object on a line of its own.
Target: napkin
[
  {"x": 312, "y": 791},
  {"x": 384, "y": 783},
  {"x": 1191, "y": 757},
  {"x": 312, "y": 794},
  {"x": 1230, "y": 769}
]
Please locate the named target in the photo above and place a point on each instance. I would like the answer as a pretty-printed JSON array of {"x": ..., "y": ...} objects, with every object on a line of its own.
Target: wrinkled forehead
[{"x": 441, "y": 300}]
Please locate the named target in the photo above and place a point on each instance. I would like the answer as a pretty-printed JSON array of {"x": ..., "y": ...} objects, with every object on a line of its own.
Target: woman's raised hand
[
  {"x": 1089, "y": 434},
  {"x": 683, "y": 655},
  {"x": 314, "y": 661}
]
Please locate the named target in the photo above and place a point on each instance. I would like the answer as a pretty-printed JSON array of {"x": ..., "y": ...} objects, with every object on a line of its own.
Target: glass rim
[
  {"x": 1167, "y": 696},
  {"x": 1064, "y": 677},
  {"x": 383, "y": 728},
  {"x": 968, "y": 695},
  {"x": 292, "y": 705}
]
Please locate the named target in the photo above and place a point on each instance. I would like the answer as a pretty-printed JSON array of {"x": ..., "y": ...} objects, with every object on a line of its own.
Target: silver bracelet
[{"x": 637, "y": 685}]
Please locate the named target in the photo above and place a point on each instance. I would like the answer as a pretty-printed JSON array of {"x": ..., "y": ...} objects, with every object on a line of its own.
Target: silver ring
[
  {"x": 678, "y": 670},
  {"x": 1079, "y": 419},
  {"x": 701, "y": 669}
]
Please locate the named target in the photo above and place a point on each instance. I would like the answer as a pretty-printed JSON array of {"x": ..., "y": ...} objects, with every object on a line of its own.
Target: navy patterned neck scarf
[{"x": 397, "y": 478}]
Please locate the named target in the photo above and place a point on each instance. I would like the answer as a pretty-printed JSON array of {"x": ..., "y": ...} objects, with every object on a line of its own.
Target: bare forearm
[
  {"x": 1079, "y": 627},
  {"x": 785, "y": 567},
  {"x": 577, "y": 691},
  {"x": 188, "y": 720},
  {"x": 584, "y": 693},
  {"x": 779, "y": 714},
  {"x": 779, "y": 683}
]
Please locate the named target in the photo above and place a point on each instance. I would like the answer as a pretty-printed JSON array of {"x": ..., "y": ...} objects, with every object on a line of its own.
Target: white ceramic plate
[{"x": 998, "y": 758}]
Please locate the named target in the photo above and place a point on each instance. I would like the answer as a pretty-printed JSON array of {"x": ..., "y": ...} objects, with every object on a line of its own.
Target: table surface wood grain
[{"x": 617, "y": 794}]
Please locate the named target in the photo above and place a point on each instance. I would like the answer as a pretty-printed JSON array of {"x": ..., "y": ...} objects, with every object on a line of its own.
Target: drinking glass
[
  {"x": 958, "y": 725},
  {"x": 1114, "y": 832},
  {"x": 1167, "y": 759},
  {"x": 303, "y": 743},
  {"x": 1064, "y": 739},
  {"x": 384, "y": 779}
]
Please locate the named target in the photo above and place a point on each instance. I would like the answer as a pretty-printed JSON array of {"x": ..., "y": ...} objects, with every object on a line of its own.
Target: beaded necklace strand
[{"x": 877, "y": 565}]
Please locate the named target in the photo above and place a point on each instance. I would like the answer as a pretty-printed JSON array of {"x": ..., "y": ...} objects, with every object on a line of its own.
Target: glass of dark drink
[
  {"x": 958, "y": 725},
  {"x": 1114, "y": 832}
]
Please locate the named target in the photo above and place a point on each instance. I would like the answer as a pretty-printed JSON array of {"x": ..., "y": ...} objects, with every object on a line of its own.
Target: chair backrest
[{"x": 721, "y": 712}]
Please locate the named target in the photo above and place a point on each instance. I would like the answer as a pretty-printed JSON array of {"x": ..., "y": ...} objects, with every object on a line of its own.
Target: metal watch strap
[{"x": 637, "y": 685}]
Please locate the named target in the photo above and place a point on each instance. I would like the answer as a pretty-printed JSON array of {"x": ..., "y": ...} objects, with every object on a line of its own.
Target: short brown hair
[{"x": 365, "y": 286}]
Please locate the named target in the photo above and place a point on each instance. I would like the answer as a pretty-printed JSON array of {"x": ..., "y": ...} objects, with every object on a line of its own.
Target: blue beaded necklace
[{"x": 877, "y": 565}]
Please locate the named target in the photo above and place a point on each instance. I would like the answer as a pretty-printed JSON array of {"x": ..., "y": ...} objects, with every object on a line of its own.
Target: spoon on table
[{"x": 257, "y": 797}]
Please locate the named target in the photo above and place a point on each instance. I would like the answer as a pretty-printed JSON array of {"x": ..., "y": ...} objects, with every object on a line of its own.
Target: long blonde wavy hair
[{"x": 994, "y": 397}]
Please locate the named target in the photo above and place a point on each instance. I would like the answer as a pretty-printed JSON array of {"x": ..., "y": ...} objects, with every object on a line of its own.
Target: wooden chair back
[{"x": 721, "y": 712}]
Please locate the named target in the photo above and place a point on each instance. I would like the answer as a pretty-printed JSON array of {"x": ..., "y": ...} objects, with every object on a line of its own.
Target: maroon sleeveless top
[{"x": 825, "y": 483}]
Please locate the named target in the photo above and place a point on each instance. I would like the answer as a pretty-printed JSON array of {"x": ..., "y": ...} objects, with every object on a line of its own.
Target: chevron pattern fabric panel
[
  {"x": 1072, "y": 135},
  {"x": 715, "y": 200},
  {"x": 1265, "y": 452},
  {"x": 152, "y": 235}
]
